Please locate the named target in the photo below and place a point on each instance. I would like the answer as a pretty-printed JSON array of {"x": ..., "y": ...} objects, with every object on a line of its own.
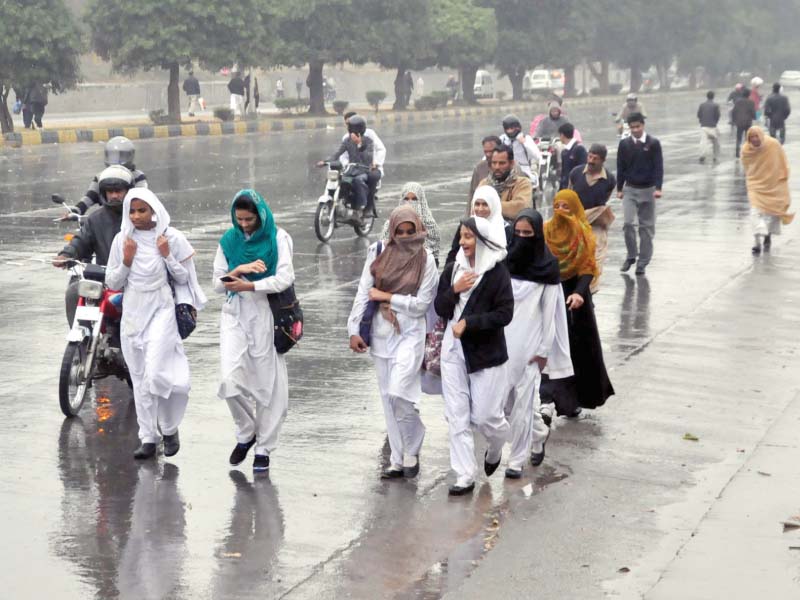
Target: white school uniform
[
  {"x": 398, "y": 355},
  {"x": 539, "y": 328},
  {"x": 254, "y": 381},
  {"x": 151, "y": 345}
]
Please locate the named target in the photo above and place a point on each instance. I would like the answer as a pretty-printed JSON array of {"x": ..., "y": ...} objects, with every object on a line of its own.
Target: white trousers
[
  {"x": 237, "y": 105},
  {"x": 764, "y": 224},
  {"x": 473, "y": 399},
  {"x": 194, "y": 103},
  {"x": 709, "y": 140},
  {"x": 259, "y": 419},
  {"x": 403, "y": 424},
  {"x": 528, "y": 429}
]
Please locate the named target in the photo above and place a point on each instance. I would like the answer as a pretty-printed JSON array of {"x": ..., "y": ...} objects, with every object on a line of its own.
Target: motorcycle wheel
[
  {"x": 324, "y": 221},
  {"x": 363, "y": 229},
  {"x": 72, "y": 390}
]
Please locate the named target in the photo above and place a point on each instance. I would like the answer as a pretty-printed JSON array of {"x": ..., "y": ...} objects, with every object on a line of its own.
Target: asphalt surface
[{"x": 701, "y": 344}]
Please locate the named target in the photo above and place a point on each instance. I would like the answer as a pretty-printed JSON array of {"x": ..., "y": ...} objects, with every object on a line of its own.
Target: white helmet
[
  {"x": 119, "y": 150},
  {"x": 756, "y": 81}
]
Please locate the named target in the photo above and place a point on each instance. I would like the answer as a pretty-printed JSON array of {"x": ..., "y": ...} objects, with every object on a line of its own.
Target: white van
[
  {"x": 484, "y": 85},
  {"x": 544, "y": 81}
]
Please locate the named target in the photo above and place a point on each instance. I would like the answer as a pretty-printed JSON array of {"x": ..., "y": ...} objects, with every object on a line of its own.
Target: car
[
  {"x": 790, "y": 79},
  {"x": 484, "y": 85},
  {"x": 544, "y": 81}
]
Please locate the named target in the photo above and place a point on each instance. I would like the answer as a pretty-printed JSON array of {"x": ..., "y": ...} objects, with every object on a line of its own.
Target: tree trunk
[
  {"x": 400, "y": 89},
  {"x": 316, "y": 97},
  {"x": 693, "y": 79},
  {"x": 468, "y": 84},
  {"x": 663, "y": 77},
  {"x": 636, "y": 77},
  {"x": 600, "y": 75},
  {"x": 516, "y": 77},
  {"x": 6, "y": 120},
  {"x": 569, "y": 81},
  {"x": 174, "y": 94}
]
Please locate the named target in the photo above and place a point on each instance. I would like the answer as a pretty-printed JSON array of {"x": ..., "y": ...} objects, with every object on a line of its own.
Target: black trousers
[
  {"x": 740, "y": 133},
  {"x": 779, "y": 130}
]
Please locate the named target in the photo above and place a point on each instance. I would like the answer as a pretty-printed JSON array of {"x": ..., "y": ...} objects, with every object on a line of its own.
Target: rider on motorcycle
[
  {"x": 632, "y": 105},
  {"x": 547, "y": 128},
  {"x": 360, "y": 152},
  {"x": 526, "y": 152},
  {"x": 97, "y": 230},
  {"x": 379, "y": 156},
  {"x": 118, "y": 151}
]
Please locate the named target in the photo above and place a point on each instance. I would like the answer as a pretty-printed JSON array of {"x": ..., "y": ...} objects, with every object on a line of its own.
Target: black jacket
[
  {"x": 777, "y": 109},
  {"x": 708, "y": 114},
  {"x": 360, "y": 155},
  {"x": 191, "y": 86},
  {"x": 744, "y": 113},
  {"x": 570, "y": 159},
  {"x": 95, "y": 237},
  {"x": 489, "y": 309},
  {"x": 236, "y": 86},
  {"x": 640, "y": 165}
]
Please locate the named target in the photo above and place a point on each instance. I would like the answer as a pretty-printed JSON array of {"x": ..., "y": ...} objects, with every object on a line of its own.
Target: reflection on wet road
[{"x": 83, "y": 520}]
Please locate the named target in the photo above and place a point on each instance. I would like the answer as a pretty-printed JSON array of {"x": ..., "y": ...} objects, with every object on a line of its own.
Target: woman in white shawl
[
  {"x": 400, "y": 279},
  {"x": 537, "y": 338},
  {"x": 413, "y": 194},
  {"x": 485, "y": 204},
  {"x": 144, "y": 255},
  {"x": 476, "y": 299}
]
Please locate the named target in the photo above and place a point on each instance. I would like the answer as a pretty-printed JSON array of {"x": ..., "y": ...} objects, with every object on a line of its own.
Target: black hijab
[{"x": 530, "y": 258}]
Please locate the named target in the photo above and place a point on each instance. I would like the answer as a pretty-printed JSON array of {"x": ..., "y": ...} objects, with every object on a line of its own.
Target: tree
[
  {"x": 39, "y": 43},
  {"x": 466, "y": 38},
  {"x": 316, "y": 32},
  {"x": 168, "y": 34}
]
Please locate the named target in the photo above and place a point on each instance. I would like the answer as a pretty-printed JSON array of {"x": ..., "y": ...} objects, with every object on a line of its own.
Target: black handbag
[
  {"x": 185, "y": 314},
  {"x": 287, "y": 317},
  {"x": 365, "y": 325}
]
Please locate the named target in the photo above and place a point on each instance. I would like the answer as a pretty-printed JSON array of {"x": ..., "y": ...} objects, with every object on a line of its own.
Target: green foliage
[
  {"x": 375, "y": 97},
  {"x": 426, "y": 103},
  {"x": 288, "y": 104},
  {"x": 158, "y": 117},
  {"x": 442, "y": 97},
  {"x": 339, "y": 106},
  {"x": 223, "y": 113},
  {"x": 466, "y": 34}
]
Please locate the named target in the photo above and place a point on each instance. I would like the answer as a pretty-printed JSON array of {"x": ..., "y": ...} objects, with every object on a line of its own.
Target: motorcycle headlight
[
  {"x": 333, "y": 175},
  {"x": 90, "y": 289}
]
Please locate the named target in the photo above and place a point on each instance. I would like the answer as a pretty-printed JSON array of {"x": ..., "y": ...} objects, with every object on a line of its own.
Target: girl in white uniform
[
  {"x": 486, "y": 204},
  {"x": 537, "y": 337},
  {"x": 476, "y": 299},
  {"x": 254, "y": 259},
  {"x": 142, "y": 255},
  {"x": 402, "y": 279}
]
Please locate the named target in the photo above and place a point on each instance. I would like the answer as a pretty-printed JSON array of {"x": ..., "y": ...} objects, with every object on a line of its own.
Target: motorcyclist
[
  {"x": 632, "y": 105},
  {"x": 360, "y": 152},
  {"x": 118, "y": 151},
  {"x": 547, "y": 128},
  {"x": 97, "y": 230},
  {"x": 526, "y": 152},
  {"x": 379, "y": 156}
]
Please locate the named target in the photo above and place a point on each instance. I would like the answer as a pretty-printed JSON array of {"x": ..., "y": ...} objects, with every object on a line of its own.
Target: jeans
[{"x": 639, "y": 203}]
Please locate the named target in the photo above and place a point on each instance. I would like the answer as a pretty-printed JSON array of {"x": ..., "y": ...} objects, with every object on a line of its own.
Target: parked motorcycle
[{"x": 334, "y": 208}]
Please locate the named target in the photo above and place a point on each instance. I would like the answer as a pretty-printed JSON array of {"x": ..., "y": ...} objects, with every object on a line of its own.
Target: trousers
[
  {"x": 528, "y": 429},
  {"x": 404, "y": 428},
  {"x": 639, "y": 204}
]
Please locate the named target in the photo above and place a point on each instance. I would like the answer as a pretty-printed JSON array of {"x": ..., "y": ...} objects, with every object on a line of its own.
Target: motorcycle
[
  {"x": 93, "y": 349},
  {"x": 624, "y": 131},
  {"x": 334, "y": 207},
  {"x": 548, "y": 167}
]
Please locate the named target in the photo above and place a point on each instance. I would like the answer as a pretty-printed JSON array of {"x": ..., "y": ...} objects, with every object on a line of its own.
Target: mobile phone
[{"x": 227, "y": 279}]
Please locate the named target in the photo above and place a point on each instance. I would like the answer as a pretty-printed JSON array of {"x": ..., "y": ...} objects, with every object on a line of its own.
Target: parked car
[
  {"x": 544, "y": 81},
  {"x": 484, "y": 85},
  {"x": 790, "y": 79}
]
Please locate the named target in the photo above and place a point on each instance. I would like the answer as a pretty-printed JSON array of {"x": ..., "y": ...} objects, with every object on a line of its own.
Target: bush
[
  {"x": 426, "y": 103},
  {"x": 375, "y": 97},
  {"x": 340, "y": 106},
  {"x": 159, "y": 117},
  {"x": 223, "y": 113},
  {"x": 501, "y": 96},
  {"x": 442, "y": 97},
  {"x": 287, "y": 104},
  {"x": 615, "y": 88}
]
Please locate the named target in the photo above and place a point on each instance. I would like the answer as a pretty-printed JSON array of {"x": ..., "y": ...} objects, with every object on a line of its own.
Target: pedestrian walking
[
  {"x": 236, "y": 88},
  {"x": 483, "y": 168},
  {"x": 298, "y": 85},
  {"x": 191, "y": 87},
  {"x": 640, "y": 174},
  {"x": 476, "y": 299},
  {"x": 408, "y": 87},
  {"x": 513, "y": 186},
  {"x": 573, "y": 153},
  {"x": 153, "y": 264},
  {"x": 279, "y": 91},
  {"x": 594, "y": 184},
  {"x": 537, "y": 338},
  {"x": 413, "y": 194},
  {"x": 569, "y": 237},
  {"x": 743, "y": 115},
  {"x": 253, "y": 260},
  {"x": 526, "y": 153},
  {"x": 755, "y": 95},
  {"x": 420, "y": 87},
  {"x": 777, "y": 110},
  {"x": 767, "y": 175},
  {"x": 708, "y": 114},
  {"x": 396, "y": 289},
  {"x": 37, "y": 101},
  {"x": 487, "y": 205}
]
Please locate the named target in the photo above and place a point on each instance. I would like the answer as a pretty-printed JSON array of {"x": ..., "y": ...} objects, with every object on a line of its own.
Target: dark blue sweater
[
  {"x": 591, "y": 195},
  {"x": 640, "y": 165},
  {"x": 570, "y": 159}
]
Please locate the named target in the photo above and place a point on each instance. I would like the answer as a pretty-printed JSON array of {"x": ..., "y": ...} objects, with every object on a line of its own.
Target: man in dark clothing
[
  {"x": 481, "y": 171},
  {"x": 236, "y": 88},
  {"x": 33, "y": 105},
  {"x": 708, "y": 114},
  {"x": 592, "y": 182},
  {"x": 743, "y": 115},
  {"x": 360, "y": 151},
  {"x": 573, "y": 154},
  {"x": 777, "y": 110},
  {"x": 191, "y": 87},
  {"x": 640, "y": 174}
]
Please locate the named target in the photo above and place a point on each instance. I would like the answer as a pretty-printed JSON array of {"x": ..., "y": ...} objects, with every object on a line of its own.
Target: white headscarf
[
  {"x": 160, "y": 214},
  {"x": 489, "y": 195},
  {"x": 486, "y": 257}
]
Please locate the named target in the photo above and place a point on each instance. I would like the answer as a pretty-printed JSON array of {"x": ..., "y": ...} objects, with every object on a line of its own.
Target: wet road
[{"x": 81, "y": 519}]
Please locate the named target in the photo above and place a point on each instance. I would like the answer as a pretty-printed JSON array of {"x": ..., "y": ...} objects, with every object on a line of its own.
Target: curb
[{"x": 18, "y": 139}]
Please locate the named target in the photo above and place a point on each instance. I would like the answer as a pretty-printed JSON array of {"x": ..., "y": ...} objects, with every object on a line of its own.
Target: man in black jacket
[
  {"x": 191, "y": 88},
  {"x": 708, "y": 114},
  {"x": 777, "y": 110},
  {"x": 640, "y": 174},
  {"x": 573, "y": 154},
  {"x": 743, "y": 115}
]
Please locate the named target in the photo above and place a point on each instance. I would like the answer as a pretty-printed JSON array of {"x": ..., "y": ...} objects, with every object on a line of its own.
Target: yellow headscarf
[
  {"x": 767, "y": 175},
  {"x": 570, "y": 238}
]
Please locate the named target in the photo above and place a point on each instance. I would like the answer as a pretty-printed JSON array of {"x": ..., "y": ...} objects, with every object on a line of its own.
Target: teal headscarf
[{"x": 263, "y": 243}]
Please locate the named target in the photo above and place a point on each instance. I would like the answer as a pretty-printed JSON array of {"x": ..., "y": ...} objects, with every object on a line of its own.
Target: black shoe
[
  {"x": 411, "y": 472},
  {"x": 756, "y": 250},
  {"x": 702, "y": 159},
  {"x": 640, "y": 270},
  {"x": 575, "y": 413},
  {"x": 260, "y": 463},
  {"x": 145, "y": 450},
  {"x": 240, "y": 452},
  {"x": 172, "y": 443},
  {"x": 461, "y": 490},
  {"x": 767, "y": 243},
  {"x": 547, "y": 418},
  {"x": 627, "y": 264},
  {"x": 513, "y": 473},
  {"x": 488, "y": 467},
  {"x": 537, "y": 458},
  {"x": 391, "y": 473}
]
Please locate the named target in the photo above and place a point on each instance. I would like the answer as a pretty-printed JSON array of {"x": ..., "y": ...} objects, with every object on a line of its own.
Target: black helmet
[
  {"x": 511, "y": 122},
  {"x": 115, "y": 177},
  {"x": 357, "y": 124},
  {"x": 120, "y": 151}
]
